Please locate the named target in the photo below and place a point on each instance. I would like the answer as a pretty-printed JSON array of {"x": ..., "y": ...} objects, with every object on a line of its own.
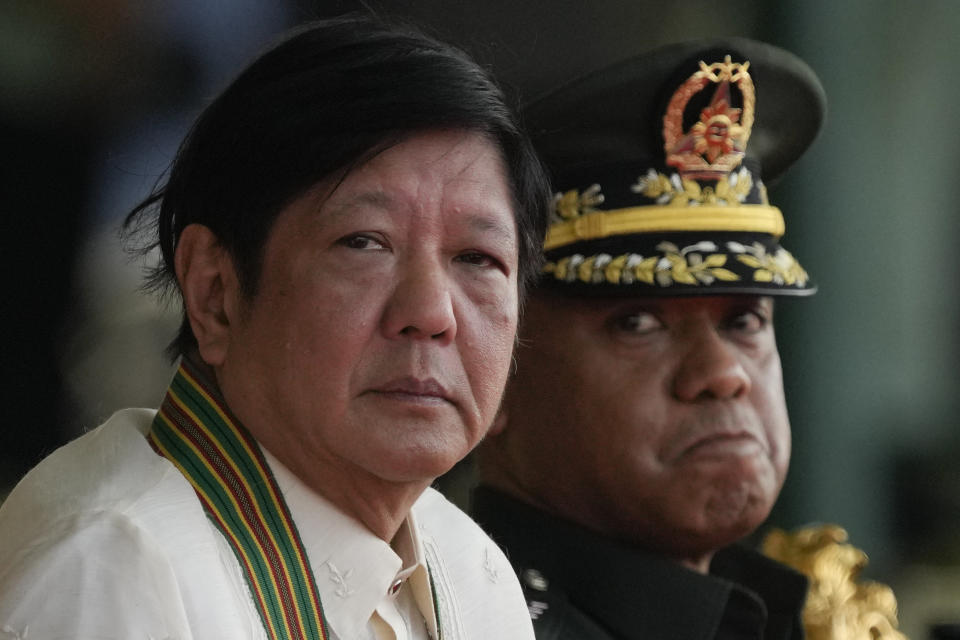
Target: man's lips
[
  {"x": 416, "y": 390},
  {"x": 722, "y": 443}
]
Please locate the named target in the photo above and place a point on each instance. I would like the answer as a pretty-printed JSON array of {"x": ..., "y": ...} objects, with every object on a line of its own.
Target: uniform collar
[{"x": 631, "y": 591}]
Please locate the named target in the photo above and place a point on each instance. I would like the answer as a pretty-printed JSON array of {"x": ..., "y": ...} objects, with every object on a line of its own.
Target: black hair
[{"x": 331, "y": 95}]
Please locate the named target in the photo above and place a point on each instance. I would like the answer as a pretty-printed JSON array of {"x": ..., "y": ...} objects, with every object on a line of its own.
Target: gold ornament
[{"x": 837, "y": 607}]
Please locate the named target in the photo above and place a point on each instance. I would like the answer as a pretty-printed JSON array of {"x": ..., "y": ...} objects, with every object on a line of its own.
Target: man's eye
[
  {"x": 748, "y": 322},
  {"x": 361, "y": 241},
  {"x": 638, "y": 323},
  {"x": 478, "y": 259}
]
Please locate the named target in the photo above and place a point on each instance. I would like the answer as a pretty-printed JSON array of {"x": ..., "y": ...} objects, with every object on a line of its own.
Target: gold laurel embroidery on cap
[
  {"x": 673, "y": 265},
  {"x": 715, "y": 145},
  {"x": 682, "y": 192},
  {"x": 573, "y": 204},
  {"x": 690, "y": 266},
  {"x": 779, "y": 268}
]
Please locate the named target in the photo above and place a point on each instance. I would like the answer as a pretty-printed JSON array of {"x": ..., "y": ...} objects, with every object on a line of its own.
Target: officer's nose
[{"x": 710, "y": 369}]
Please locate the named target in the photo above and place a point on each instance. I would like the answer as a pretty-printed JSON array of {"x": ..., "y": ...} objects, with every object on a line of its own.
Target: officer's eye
[
  {"x": 638, "y": 323},
  {"x": 748, "y": 321}
]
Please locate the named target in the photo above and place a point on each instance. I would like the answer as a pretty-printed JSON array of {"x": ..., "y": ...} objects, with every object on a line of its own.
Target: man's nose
[
  {"x": 421, "y": 305},
  {"x": 711, "y": 368}
]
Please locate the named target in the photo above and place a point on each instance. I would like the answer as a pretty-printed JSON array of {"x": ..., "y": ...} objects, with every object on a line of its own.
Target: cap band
[{"x": 652, "y": 218}]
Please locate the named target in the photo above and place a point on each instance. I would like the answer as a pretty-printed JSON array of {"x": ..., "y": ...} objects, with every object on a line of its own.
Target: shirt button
[{"x": 392, "y": 591}]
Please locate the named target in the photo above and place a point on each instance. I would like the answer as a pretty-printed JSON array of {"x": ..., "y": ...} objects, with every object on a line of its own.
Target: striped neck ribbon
[{"x": 218, "y": 456}]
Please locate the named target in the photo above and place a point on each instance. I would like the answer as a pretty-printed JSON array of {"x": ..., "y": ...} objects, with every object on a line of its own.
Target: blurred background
[{"x": 95, "y": 97}]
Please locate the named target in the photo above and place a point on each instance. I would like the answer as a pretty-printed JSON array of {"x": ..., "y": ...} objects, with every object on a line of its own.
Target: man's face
[
  {"x": 379, "y": 339},
  {"x": 660, "y": 421}
]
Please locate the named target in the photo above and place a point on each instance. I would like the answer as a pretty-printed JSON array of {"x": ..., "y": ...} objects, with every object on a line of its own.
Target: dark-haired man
[
  {"x": 645, "y": 430},
  {"x": 350, "y": 226}
]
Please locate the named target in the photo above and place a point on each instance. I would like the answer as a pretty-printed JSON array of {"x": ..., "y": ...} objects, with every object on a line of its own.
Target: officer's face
[{"x": 660, "y": 421}]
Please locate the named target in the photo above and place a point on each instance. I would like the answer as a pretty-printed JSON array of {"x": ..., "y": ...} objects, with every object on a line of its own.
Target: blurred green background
[{"x": 95, "y": 96}]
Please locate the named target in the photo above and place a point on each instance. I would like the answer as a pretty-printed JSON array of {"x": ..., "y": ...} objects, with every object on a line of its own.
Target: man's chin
[
  {"x": 734, "y": 498},
  {"x": 695, "y": 548},
  {"x": 722, "y": 519},
  {"x": 416, "y": 467}
]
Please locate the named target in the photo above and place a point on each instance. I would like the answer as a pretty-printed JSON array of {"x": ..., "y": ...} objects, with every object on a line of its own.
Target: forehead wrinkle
[
  {"x": 376, "y": 199},
  {"x": 379, "y": 199},
  {"x": 488, "y": 224}
]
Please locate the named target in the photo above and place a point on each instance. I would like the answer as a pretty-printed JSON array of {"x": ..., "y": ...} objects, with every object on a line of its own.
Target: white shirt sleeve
[{"x": 90, "y": 576}]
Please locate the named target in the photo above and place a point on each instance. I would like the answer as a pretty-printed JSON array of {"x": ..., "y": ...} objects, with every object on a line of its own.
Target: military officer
[{"x": 644, "y": 431}]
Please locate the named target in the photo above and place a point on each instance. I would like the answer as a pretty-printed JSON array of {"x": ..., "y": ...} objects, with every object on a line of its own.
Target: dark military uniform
[{"x": 581, "y": 586}]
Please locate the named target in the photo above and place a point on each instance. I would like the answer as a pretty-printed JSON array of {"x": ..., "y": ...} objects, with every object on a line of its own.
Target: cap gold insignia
[{"x": 715, "y": 145}]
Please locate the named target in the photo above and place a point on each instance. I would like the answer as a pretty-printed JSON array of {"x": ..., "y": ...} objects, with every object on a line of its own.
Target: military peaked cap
[{"x": 660, "y": 162}]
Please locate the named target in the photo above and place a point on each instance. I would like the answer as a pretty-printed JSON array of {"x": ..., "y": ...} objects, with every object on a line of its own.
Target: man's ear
[{"x": 210, "y": 290}]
